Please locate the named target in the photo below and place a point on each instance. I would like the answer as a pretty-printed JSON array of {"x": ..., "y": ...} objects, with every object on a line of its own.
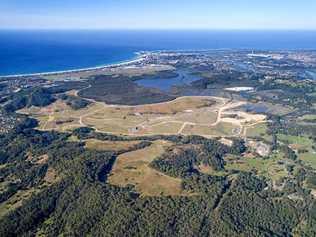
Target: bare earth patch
[
  {"x": 42, "y": 159},
  {"x": 51, "y": 176},
  {"x": 39, "y": 160}
]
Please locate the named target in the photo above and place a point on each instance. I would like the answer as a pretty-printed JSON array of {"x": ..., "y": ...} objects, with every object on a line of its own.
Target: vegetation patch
[
  {"x": 270, "y": 167},
  {"x": 132, "y": 168},
  {"x": 221, "y": 129},
  {"x": 259, "y": 130},
  {"x": 110, "y": 145},
  {"x": 301, "y": 141},
  {"x": 16, "y": 201},
  {"x": 122, "y": 90}
]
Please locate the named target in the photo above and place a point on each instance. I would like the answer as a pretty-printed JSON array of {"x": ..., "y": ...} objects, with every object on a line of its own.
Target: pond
[{"x": 166, "y": 84}]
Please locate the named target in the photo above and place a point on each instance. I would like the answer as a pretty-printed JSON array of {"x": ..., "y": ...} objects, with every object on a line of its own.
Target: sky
[{"x": 158, "y": 14}]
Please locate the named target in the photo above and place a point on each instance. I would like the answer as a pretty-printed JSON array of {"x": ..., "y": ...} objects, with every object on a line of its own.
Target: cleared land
[
  {"x": 258, "y": 130},
  {"x": 271, "y": 168},
  {"x": 132, "y": 168},
  {"x": 301, "y": 143},
  {"x": 194, "y": 115},
  {"x": 109, "y": 145}
]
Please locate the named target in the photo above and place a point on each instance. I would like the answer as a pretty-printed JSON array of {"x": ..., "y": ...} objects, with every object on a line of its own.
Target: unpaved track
[{"x": 222, "y": 105}]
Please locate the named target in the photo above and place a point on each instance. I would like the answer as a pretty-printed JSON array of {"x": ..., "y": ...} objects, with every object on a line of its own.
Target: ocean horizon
[{"x": 41, "y": 51}]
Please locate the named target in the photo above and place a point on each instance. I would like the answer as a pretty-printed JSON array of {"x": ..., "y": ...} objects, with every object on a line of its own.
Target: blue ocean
[{"x": 25, "y": 52}]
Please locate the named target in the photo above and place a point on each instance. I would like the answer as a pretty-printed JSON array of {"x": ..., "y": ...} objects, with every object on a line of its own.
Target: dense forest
[{"x": 80, "y": 202}]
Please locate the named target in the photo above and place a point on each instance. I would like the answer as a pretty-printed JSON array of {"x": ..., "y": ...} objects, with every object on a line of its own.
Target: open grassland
[
  {"x": 303, "y": 146},
  {"x": 163, "y": 128},
  {"x": 308, "y": 117},
  {"x": 301, "y": 143},
  {"x": 206, "y": 169},
  {"x": 297, "y": 142},
  {"x": 270, "y": 168},
  {"x": 205, "y": 116},
  {"x": 182, "y": 104},
  {"x": 273, "y": 168},
  {"x": 132, "y": 168},
  {"x": 309, "y": 158},
  {"x": 258, "y": 130},
  {"x": 109, "y": 145},
  {"x": 221, "y": 129}
]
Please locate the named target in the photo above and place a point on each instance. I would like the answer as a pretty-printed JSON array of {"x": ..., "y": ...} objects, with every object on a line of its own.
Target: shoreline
[{"x": 139, "y": 57}]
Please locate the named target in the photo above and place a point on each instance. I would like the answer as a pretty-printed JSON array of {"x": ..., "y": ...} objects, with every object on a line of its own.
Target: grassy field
[
  {"x": 301, "y": 142},
  {"x": 298, "y": 141},
  {"x": 258, "y": 130},
  {"x": 163, "y": 128},
  {"x": 269, "y": 168},
  {"x": 109, "y": 145},
  {"x": 308, "y": 117},
  {"x": 309, "y": 158},
  {"x": 206, "y": 169},
  {"x": 132, "y": 168},
  {"x": 221, "y": 129},
  {"x": 178, "y": 105},
  {"x": 199, "y": 116}
]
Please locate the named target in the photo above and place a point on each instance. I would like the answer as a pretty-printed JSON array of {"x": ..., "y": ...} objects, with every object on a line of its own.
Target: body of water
[
  {"x": 24, "y": 52},
  {"x": 183, "y": 78}
]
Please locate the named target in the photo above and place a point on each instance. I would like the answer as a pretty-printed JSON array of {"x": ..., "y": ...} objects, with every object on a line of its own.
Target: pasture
[{"x": 132, "y": 168}]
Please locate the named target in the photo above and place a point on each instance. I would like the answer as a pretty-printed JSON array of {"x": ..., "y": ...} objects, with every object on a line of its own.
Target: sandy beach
[{"x": 138, "y": 58}]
